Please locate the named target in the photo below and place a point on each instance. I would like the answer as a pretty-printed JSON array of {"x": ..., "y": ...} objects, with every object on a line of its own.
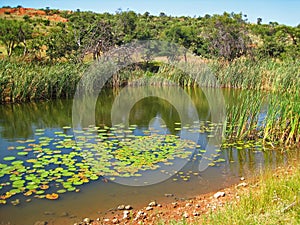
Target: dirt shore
[{"x": 191, "y": 210}]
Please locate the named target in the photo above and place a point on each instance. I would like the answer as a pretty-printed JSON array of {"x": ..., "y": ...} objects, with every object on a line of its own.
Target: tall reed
[{"x": 20, "y": 81}]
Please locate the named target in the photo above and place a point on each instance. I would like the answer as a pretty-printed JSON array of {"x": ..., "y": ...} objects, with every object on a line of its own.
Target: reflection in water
[{"x": 19, "y": 121}]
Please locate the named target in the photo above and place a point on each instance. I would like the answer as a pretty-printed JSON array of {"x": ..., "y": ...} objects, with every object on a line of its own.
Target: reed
[
  {"x": 279, "y": 124},
  {"x": 20, "y": 81}
]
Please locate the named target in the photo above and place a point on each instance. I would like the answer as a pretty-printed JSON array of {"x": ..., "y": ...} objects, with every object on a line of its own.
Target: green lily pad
[
  {"x": 22, "y": 153},
  {"x": 9, "y": 158}
]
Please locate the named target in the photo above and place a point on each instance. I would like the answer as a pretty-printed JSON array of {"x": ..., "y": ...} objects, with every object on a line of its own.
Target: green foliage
[
  {"x": 227, "y": 36},
  {"x": 13, "y": 33}
]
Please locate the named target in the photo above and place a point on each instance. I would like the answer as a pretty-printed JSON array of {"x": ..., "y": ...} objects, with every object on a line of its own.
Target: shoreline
[
  {"x": 197, "y": 210},
  {"x": 190, "y": 209}
]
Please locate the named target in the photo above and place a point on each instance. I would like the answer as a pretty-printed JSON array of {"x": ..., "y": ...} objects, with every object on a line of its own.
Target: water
[{"x": 19, "y": 123}]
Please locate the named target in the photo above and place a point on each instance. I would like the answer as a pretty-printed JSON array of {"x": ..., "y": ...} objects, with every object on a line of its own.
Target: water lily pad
[
  {"x": 22, "y": 153},
  {"x": 52, "y": 196},
  {"x": 9, "y": 158}
]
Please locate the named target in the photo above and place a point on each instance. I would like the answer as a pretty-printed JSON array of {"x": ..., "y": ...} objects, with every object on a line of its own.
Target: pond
[{"x": 53, "y": 173}]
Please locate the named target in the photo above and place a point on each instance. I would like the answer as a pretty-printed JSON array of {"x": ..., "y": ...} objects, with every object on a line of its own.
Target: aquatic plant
[{"x": 57, "y": 163}]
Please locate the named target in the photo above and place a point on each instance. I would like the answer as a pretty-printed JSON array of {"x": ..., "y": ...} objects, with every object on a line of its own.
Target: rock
[
  {"x": 197, "y": 206},
  {"x": 140, "y": 215},
  {"x": 242, "y": 178},
  {"x": 126, "y": 214},
  {"x": 175, "y": 204},
  {"x": 115, "y": 221},
  {"x": 219, "y": 194},
  {"x": 152, "y": 204},
  {"x": 169, "y": 195},
  {"x": 159, "y": 205},
  {"x": 105, "y": 220},
  {"x": 196, "y": 213},
  {"x": 185, "y": 215},
  {"x": 128, "y": 207},
  {"x": 64, "y": 214},
  {"x": 148, "y": 208},
  {"x": 188, "y": 204},
  {"x": 48, "y": 213},
  {"x": 121, "y": 207},
  {"x": 40, "y": 223},
  {"x": 86, "y": 220},
  {"x": 243, "y": 184}
]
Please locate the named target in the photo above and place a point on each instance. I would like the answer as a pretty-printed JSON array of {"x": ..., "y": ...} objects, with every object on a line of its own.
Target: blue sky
[{"x": 282, "y": 11}]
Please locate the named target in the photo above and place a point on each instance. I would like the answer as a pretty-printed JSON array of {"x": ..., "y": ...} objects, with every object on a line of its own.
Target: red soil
[{"x": 32, "y": 13}]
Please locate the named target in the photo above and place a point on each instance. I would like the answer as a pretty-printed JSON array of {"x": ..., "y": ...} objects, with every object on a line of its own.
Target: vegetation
[
  {"x": 273, "y": 200},
  {"x": 45, "y": 60},
  {"x": 227, "y": 36}
]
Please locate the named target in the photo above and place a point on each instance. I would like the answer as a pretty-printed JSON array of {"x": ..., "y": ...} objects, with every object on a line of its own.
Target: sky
[{"x": 282, "y": 11}]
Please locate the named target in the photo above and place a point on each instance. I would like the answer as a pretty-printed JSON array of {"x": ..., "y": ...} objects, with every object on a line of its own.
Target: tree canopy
[{"x": 227, "y": 36}]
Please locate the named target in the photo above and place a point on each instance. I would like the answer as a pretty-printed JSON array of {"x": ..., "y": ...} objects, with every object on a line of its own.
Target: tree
[
  {"x": 181, "y": 35},
  {"x": 228, "y": 36},
  {"x": 126, "y": 25},
  {"x": 60, "y": 43},
  {"x": 12, "y": 33}
]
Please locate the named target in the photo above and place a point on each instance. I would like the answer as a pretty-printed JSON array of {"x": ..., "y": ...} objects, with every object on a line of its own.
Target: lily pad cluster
[{"x": 59, "y": 161}]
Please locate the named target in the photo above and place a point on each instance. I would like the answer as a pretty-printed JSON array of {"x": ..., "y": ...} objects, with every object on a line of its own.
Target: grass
[
  {"x": 21, "y": 82},
  {"x": 265, "y": 74},
  {"x": 274, "y": 199}
]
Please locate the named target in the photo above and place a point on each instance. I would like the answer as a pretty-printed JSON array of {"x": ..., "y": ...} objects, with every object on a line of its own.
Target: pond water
[{"x": 39, "y": 156}]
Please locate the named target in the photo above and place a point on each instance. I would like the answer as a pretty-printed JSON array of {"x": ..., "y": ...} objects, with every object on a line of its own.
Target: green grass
[
  {"x": 21, "y": 81},
  {"x": 274, "y": 199},
  {"x": 265, "y": 74}
]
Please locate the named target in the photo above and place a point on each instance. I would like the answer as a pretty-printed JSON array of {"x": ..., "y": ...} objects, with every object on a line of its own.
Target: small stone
[
  {"x": 175, "y": 204},
  {"x": 48, "y": 213},
  {"x": 148, "y": 208},
  {"x": 115, "y": 221},
  {"x": 126, "y": 214},
  {"x": 219, "y": 194},
  {"x": 128, "y": 207},
  {"x": 169, "y": 195},
  {"x": 98, "y": 219},
  {"x": 196, "y": 213},
  {"x": 121, "y": 207},
  {"x": 159, "y": 205},
  {"x": 185, "y": 215},
  {"x": 40, "y": 223},
  {"x": 140, "y": 215},
  {"x": 152, "y": 204},
  {"x": 243, "y": 184},
  {"x": 105, "y": 220},
  {"x": 64, "y": 214},
  {"x": 87, "y": 220},
  {"x": 197, "y": 206},
  {"x": 28, "y": 200},
  {"x": 188, "y": 204},
  {"x": 242, "y": 178}
]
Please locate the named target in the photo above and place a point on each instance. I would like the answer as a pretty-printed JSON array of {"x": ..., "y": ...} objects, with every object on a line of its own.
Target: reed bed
[
  {"x": 20, "y": 81},
  {"x": 277, "y": 124}
]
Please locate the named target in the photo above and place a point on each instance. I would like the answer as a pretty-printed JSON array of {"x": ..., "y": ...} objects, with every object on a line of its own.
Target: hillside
[{"x": 20, "y": 12}]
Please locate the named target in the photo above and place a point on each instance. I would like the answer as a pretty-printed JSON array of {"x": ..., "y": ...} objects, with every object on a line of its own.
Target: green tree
[
  {"x": 228, "y": 36},
  {"x": 12, "y": 33}
]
